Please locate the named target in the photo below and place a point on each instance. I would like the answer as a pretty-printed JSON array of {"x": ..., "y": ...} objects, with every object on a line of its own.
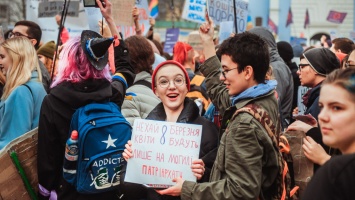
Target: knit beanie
[
  {"x": 285, "y": 50},
  {"x": 322, "y": 60},
  {"x": 47, "y": 49},
  {"x": 172, "y": 62}
]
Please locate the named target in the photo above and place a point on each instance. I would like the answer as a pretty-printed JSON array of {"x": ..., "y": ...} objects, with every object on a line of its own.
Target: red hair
[{"x": 180, "y": 52}]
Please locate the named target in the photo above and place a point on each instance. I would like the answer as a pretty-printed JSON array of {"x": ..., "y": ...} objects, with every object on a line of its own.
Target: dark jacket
[
  {"x": 282, "y": 74},
  {"x": 334, "y": 180},
  {"x": 312, "y": 101},
  {"x": 209, "y": 138},
  {"x": 56, "y": 112}
]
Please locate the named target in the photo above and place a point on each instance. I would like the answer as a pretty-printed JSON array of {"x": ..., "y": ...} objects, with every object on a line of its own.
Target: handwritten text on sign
[
  {"x": 194, "y": 10},
  {"x": 163, "y": 151}
]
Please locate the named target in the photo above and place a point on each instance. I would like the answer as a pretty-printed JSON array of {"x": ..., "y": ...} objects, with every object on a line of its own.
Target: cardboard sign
[
  {"x": 172, "y": 36},
  {"x": 194, "y": 10},
  {"x": 222, "y": 10},
  {"x": 162, "y": 151},
  {"x": 122, "y": 12}
]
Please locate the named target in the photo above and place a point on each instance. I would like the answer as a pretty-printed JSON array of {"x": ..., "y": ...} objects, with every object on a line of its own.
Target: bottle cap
[{"x": 74, "y": 135}]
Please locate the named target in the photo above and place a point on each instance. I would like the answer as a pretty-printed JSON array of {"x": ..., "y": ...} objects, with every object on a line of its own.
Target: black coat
[
  {"x": 56, "y": 112},
  {"x": 209, "y": 138}
]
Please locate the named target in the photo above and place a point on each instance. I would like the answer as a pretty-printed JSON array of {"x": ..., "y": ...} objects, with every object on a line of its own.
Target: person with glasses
[
  {"x": 315, "y": 65},
  {"x": 246, "y": 164},
  {"x": 33, "y": 32},
  {"x": 170, "y": 82}
]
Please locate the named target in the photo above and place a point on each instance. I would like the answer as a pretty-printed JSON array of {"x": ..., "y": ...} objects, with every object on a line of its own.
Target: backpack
[
  {"x": 197, "y": 92},
  {"x": 103, "y": 133},
  {"x": 283, "y": 182}
]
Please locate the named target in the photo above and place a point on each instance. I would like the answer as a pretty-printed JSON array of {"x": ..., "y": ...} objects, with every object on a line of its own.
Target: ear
[
  {"x": 34, "y": 41},
  {"x": 249, "y": 73}
]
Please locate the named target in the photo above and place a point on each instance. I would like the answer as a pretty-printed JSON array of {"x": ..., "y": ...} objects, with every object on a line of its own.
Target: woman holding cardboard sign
[{"x": 170, "y": 82}]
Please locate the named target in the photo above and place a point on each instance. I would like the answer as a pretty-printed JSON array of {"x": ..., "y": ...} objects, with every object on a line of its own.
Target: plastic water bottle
[{"x": 71, "y": 153}]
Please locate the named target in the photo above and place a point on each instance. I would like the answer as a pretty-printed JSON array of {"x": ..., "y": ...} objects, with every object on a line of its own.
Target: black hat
[
  {"x": 285, "y": 50},
  {"x": 95, "y": 48},
  {"x": 322, "y": 60}
]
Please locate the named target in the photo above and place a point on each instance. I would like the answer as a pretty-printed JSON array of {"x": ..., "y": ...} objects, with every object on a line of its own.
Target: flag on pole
[
  {"x": 306, "y": 20},
  {"x": 272, "y": 26},
  {"x": 153, "y": 8},
  {"x": 289, "y": 17},
  {"x": 336, "y": 17}
]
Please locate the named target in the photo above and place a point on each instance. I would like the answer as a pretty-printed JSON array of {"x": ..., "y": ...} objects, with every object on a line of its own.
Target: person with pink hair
[{"x": 83, "y": 77}]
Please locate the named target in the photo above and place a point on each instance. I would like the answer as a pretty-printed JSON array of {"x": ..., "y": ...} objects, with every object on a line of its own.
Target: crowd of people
[{"x": 238, "y": 157}]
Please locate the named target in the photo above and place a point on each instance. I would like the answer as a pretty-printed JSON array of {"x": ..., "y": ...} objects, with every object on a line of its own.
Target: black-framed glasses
[
  {"x": 164, "y": 82},
  {"x": 17, "y": 34},
  {"x": 301, "y": 66},
  {"x": 224, "y": 72},
  {"x": 349, "y": 65}
]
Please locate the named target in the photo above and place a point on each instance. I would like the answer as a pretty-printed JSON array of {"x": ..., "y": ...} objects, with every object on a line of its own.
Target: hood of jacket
[
  {"x": 80, "y": 94},
  {"x": 188, "y": 114},
  {"x": 270, "y": 40}
]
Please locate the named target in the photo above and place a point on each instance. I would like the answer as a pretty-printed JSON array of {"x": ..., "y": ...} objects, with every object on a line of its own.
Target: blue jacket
[{"x": 19, "y": 113}]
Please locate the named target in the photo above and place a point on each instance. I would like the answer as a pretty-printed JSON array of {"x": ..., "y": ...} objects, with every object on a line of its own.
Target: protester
[
  {"x": 170, "y": 83},
  {"x": 335, "y": 179},
  {"x": 315, "y": 65},
  {"x": 184, "y": 54},
  {"x": 33, "y": 32},
  {"x": 286, "y": 52},
  {"x": 282, "y": 74},
  {"x": 349, "y": 62},
  {"x": 342, "y": 45},
  {"x": 142, "y": 101},
  {"x": 246, "y": 166},
  {"x": 23, "y": 93},
  {"x": 81, "y": 79},
  {"x": 45, "y": 54},
  {"x": 64, "y": 35}
]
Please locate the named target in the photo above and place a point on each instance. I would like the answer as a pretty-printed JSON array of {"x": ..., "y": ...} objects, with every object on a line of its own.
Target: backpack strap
[
  {"x": 265, "y": 120},
  {"x": 143, "y": 82},
  {"x": 197, "y": 80}
]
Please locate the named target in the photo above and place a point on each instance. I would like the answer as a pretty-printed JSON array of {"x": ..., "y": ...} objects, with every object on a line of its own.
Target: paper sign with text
[
  {"x": 172, "y": 36},
  {"x": 52, "y": 8},
  {"x": 162, "y": 151},
  {"x": 194, "y": 10},
  {"x": 225, "y": 30},
  {"x": 223, "y": 10},
  {"x": 301, "y": 107}
]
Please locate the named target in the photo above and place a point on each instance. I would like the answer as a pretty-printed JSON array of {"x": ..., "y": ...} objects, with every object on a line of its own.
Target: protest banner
[
  {"x": 94, "y": 16},
  {"x": 52, "y": 8},
  {"x": 74, "y": 25},
  {"x": 223, "y": 10},
  {"x": 11, "y": 183},
  {"x": 225, "y": 30},
  {"x": 162, "y": 151},
  {"x": 172, "y": 36},
  {"x": 143, "y": 18},
  {"x": 194, "y": 10},
  {"x": 301, "y": 107}
]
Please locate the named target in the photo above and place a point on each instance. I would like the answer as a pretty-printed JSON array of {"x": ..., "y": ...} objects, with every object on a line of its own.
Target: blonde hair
[{"x": 24, "y": 61}]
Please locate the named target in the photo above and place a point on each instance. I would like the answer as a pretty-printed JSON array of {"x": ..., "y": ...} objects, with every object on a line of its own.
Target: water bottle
[{"x": 71, "y": 152}]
